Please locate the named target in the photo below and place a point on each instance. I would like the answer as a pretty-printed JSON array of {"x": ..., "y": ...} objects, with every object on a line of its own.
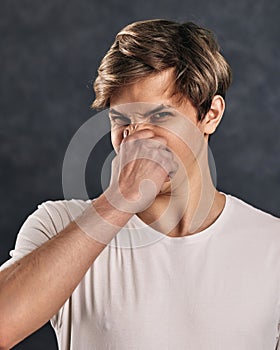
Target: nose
[{"x": 131, "y": 128}]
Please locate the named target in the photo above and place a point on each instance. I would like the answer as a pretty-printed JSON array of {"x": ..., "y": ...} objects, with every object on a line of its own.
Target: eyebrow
[{"x": 153, "y": 111}]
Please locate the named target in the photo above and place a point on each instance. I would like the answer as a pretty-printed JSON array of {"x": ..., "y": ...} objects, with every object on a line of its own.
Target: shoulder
[
  {"x": 249, "y": 211},
  {"x": 46, "y": 221},
  {"x": 245, "y": 216},
  {"x": 59, "y": 213},
  {"x": 50, "y": 217}
]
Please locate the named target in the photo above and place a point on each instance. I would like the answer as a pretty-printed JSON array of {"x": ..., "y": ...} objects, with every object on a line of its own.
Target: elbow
[
  {"x": 4, "y": 344},
  {"x": 5, "y": 340}
]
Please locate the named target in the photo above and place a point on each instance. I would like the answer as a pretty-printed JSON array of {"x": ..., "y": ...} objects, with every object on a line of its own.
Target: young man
[{"x": 161, "y": 260}]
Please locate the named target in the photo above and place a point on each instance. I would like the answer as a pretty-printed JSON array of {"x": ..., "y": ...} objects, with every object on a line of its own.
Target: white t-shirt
[{"x": 218, "y": 289}]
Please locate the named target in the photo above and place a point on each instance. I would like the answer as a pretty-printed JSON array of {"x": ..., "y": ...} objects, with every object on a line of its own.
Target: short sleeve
[
  {"x": 38, "y": 228},
  {"x": 45, "y": 222}
]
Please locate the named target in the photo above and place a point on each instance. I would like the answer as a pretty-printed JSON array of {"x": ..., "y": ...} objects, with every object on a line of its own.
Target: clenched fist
[{"x": 140, "y": 168}]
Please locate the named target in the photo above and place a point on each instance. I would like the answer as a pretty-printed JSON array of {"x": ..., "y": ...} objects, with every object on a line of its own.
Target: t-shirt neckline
[{"x": 201, "y": 235}]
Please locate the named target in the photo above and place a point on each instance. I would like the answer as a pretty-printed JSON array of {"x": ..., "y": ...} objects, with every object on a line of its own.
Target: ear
[{"x": 213, "y": 116}]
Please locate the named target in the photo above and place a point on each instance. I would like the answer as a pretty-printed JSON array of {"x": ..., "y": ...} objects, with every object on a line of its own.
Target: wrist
[
  {"x": 102, "y": 221},
  {"x": 110, "y": 209}
]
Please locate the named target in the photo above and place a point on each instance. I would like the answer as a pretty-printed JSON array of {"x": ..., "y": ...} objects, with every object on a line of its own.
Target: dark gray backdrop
[{"x": 50, "y": 51}]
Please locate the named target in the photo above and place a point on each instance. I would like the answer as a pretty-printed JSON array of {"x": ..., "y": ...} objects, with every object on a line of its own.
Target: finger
[
  {"x": 170, "y": 167},
  {"x": 142, "y": 142},
  {"x": 154, "y": 142},
  {"x": 140, "y": 134},
  {"x": 174, "y": 171},
  {"x": 160, "y": 139}
]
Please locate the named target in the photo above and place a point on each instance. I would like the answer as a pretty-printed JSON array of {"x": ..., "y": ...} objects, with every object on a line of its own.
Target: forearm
[{"x": 34, "y": 288}]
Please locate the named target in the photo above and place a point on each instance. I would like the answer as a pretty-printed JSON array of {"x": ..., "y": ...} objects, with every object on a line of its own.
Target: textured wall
[{"x": 49, "y": 52}]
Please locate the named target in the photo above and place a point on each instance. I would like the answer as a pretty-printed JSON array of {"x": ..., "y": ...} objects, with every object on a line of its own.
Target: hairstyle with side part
[{"x": 149, "y": 47}]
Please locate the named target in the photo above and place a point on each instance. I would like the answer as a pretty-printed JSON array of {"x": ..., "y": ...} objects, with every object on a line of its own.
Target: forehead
[
  {"x": 147, "y": 92},
  {"x": 141, "y": 108},
  {"x": 150, "y": 93}
]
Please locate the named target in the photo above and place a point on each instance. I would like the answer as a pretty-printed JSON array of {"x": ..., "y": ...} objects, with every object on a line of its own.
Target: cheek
[
  {"x": 116, "y": 138},
  {"x": 185, "y": 140},
  {"x": 181, "y": 150},
  {"x": 176, "y": 145}
]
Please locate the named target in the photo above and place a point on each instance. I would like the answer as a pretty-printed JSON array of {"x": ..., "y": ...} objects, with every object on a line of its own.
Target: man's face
[{"x": 148, "y": 104}]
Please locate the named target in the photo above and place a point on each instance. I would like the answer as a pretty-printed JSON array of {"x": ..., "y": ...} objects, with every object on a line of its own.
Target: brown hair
[{"x": 149, "y": 47}]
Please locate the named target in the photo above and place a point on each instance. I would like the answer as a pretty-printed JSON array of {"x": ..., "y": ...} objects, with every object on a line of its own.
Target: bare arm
[{"x": 33, "y": 289}]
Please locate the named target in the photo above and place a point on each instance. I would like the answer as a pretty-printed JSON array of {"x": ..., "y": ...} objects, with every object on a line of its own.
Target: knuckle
[
  {"x": 160, "y": 139},
  {"x": 143, "y": 133}
]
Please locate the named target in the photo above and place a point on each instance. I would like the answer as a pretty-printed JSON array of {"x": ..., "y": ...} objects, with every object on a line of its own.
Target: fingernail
[{"x": 125, "y": 133}]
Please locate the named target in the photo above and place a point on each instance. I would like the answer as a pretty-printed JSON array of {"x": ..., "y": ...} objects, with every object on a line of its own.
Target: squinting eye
[
  {"x": 120, "y": 120},
  {"x": 160, "y": 116}
]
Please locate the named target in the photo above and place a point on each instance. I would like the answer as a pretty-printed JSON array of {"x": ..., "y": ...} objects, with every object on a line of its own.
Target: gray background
[{"x": 49, "y": 53}]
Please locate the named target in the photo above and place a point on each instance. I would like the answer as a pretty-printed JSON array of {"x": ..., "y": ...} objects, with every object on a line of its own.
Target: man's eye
[
  {"x": 120, "y": 120},
  {"x": 162, "y": 116}
]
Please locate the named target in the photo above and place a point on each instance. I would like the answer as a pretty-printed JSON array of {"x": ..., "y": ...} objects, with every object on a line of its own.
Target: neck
[{"x": 190, "y": 205}]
